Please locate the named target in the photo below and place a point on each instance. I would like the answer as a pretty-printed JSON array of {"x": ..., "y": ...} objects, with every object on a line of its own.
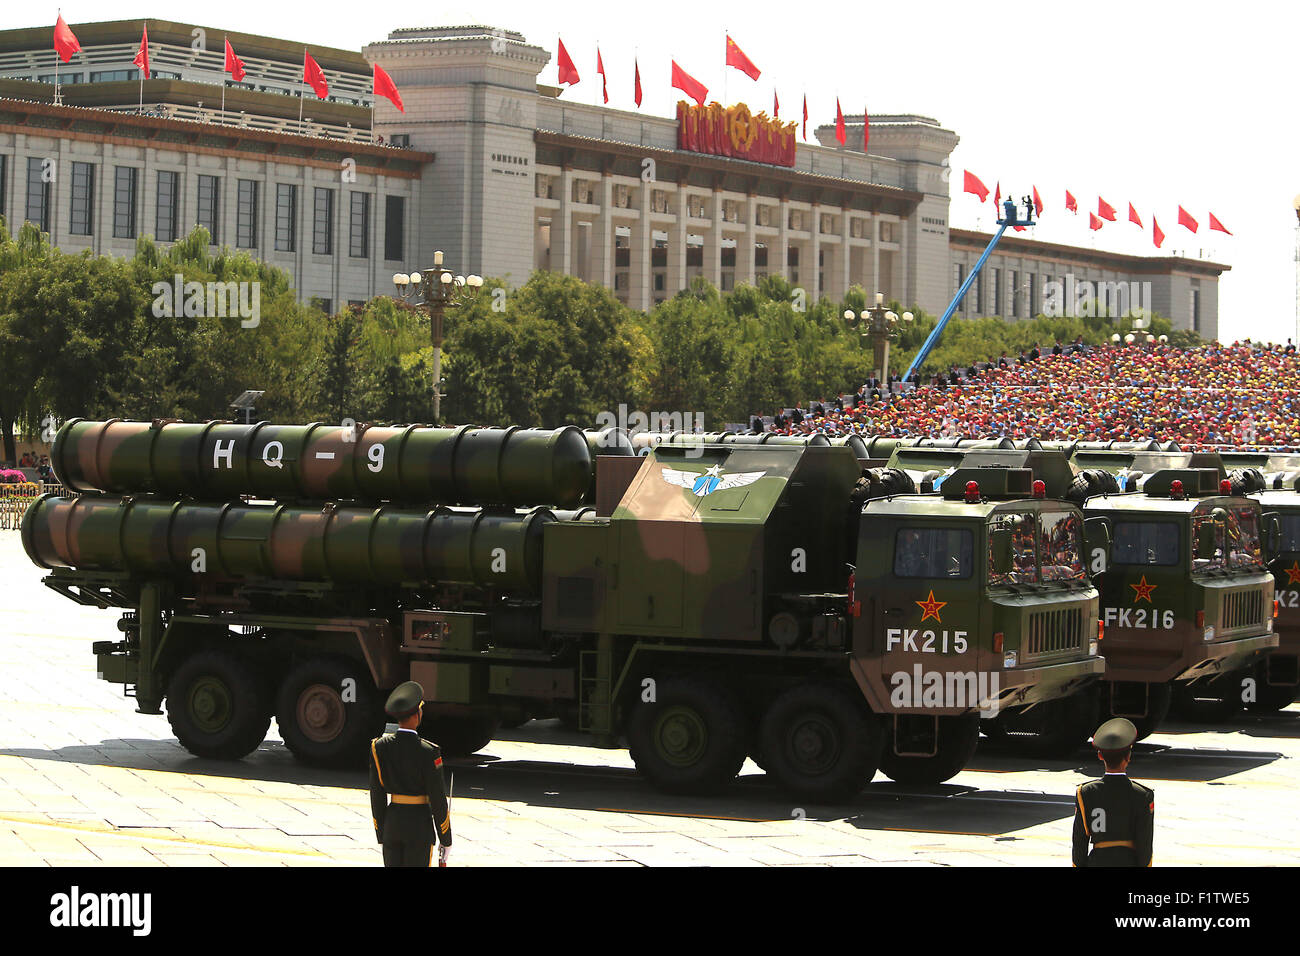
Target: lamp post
[
  {"x": 879, "y": 325},
  {"x": 438, "y": 288},
  {"x": 1139, "y": 335}
]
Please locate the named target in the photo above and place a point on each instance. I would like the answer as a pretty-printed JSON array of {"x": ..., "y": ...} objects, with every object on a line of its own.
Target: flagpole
[{"x": 725, "y": 35}]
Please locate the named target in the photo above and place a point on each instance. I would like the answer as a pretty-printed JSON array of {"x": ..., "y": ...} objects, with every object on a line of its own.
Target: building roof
[
  {"x": 1032, "y": 248},
  {"x": 182, "y": 34}
]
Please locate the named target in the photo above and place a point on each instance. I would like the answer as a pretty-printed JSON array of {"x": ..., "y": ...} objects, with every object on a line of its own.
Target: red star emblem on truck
[
  {"x": 1293, "y": 573},
  {"x": 930, "y": 608},
  {"x": 1143, "y": 590}
]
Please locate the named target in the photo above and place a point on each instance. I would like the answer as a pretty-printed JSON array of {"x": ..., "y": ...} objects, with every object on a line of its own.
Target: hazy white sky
[{"x": 1151, "y": 103}]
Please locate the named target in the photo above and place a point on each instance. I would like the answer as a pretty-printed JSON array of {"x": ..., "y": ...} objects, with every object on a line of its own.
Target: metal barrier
[{"x": 15, "y": 499}]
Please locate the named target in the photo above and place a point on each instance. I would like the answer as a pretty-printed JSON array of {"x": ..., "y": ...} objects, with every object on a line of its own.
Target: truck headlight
[
  {"x": 1092, "y": 648},
  {"x": 1269, "y": 625},
  {"x": 1010, "y": 659},
  {"x": 1209, "y": 633}
]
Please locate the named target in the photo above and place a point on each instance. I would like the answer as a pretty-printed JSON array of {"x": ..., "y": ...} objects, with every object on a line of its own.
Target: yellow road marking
[
  {"x": 700, "y": 816},
  {"x": 140, "y": 837}
]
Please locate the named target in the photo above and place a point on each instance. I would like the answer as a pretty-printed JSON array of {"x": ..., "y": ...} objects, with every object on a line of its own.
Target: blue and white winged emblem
[{"x": 706, "y": 483}]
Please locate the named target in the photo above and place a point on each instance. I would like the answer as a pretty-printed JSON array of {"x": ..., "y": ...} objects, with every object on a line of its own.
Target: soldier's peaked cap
[
  {"x": 1115, "y": 734},
  {"x": 405, "y": 700}
]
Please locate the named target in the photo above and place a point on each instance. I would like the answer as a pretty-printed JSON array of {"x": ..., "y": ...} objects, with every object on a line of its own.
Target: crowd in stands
[{"x": 1241, "y": 394}]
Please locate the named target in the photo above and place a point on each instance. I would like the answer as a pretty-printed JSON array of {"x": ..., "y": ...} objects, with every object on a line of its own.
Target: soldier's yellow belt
[
  {"x": 406, "y": 798},
  {"x": 1102, "y": 845}
]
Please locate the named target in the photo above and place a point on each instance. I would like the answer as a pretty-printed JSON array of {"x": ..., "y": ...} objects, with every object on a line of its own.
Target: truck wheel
[
  {"x": 457, "y": 735},
  {"x": 1212, "y": 702},
  {"x": 318, "y": 725},
  {"x": 955, "y": 746},
  {"x": 820, "y": 743},
  {"x": 217, "y": 705},
  {"x": 1270, "y": 698},
  {"x": 690, "y": 739},
  {"x": 1159, "y": 697}
]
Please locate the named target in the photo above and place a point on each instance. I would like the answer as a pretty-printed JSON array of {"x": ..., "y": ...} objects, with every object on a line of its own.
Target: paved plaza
[{"x": 86, "y": 781}]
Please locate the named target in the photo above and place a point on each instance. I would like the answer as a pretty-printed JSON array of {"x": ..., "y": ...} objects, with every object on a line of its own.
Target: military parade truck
[
  {"x": 721, "y": 600},
  {"x": 1187, "y": 530}
]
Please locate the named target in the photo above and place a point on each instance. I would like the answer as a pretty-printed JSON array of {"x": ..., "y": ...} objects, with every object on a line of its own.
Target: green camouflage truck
[
  {"x": 1212, "y": 624},
  {"x": 719, "y": 601}
]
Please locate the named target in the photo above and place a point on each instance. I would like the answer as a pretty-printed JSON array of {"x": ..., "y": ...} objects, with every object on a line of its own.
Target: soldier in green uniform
[
  {"x": 1115, "y": 814},
  {"x": 408, "y": 770}
]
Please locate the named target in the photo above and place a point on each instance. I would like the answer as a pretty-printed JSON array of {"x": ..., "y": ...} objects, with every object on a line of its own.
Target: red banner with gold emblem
[{"x": 735, "y": 132}]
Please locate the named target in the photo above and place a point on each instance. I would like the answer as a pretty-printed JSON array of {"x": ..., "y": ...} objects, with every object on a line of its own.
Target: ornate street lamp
[
  {"x": 1139, "y": 335},
  {"x": 878, "y": 325},
  {"x": 437, "y": 289}
]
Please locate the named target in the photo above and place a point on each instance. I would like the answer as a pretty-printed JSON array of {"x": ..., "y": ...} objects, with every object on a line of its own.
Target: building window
[
  {"x": 62, "y": 78},
  {"x": 322, "y": 233},
  {"x": 165, "y": 223},
  {"x": 325, "y": 305},
  {"x": 286, "y": 217},
  {"x": 114, "y": 76},
  {"x": 394, "y": 227},
  {"x": 958, "y": 275},
  {"x": 977, "y": 301},
  {"x": 124, "y": 180},
  {"x": 359, "y": 233},
  {"x": 661, "y": 282},
  {"x": 83, "y": 198},
  {"x": 246, "y": 217},
  {"x": 1196, "y": 310},
  {"x": 207, "y": 217},
  {"x": 38, "y": 194}
]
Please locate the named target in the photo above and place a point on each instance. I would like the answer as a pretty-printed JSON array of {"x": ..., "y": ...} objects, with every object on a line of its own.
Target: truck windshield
[
  {"x": 1145, "y": 542},
  {"x": 933, "y": 553},
  {"x": 1060, "y": 546},
  {"x": 1024, "y": 540},
  {"x": 1291, "y": 532},
  {"x": 1236, "y": 540}
]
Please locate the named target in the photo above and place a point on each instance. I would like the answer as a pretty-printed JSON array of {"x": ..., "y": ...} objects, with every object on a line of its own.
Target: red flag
[
  {"x": 65, "y": 41},
  {"x": 568, "y": 72},
  {"x": 600, "y": 68},
  {"x": 997, "y": 199},
  {"x": 1038, "y": 203},
  {"x": 688, "y": 84},
  {"x": 973, "y": 185},
  {"x": 1018, "y": 228},
  {"x": 1215, "y": 224},
  {"x": 1070, "y": 204},
  {"x": 1134, "y": 217},
  {"x": 312, "y": 75},
  {"x": 636, "y": 69},
  {"x": 385, "y": 87},
  {"x": 1157, "y": 235},
  {"x": 736, "y": 57},
  {"x": 866, "y": 129},
  {"x": 805, "y": 117},
  {"x": 1093, "y": 222},
  {"x": 1105, "y": 209},
  {"x": 1185, "y": 219},
  {"x": 234, "y": 65},
  {"x": 776, "y": 106},
  {"x": 142, "y": 58},
  {"x": 840, "y": 134}
]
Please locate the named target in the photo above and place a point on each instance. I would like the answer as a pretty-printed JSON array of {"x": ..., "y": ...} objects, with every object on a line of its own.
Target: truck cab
[{"x": 1277, "y": 677}]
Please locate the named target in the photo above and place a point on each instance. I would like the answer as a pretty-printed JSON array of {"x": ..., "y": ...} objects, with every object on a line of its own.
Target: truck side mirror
[
  {"x": 1272, "y": 535},
  {"x": 1096, "y": 536},
  {"x": 1001, "y": 544}
]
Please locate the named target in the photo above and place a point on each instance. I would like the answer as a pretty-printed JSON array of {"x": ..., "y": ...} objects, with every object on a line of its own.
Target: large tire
[
  {"x": 1212, "y": 702},
  {"x": 821, "y": 743},
  {"x": 691, "y": 738},
  {"x": 1270, "y": 698},
  {"x": 317, "y": 724},
  {"x": 217, "y": 705},
  {"x": 958, "y": 737},
  {"x": 459, "y": 735},
  {"x": 1159, "y": 698}
]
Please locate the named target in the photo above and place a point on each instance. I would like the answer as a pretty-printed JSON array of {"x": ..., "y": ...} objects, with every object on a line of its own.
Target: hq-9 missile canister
[
  {"x": 411, "y": 463},
  {"x": 351, "y": 544}
]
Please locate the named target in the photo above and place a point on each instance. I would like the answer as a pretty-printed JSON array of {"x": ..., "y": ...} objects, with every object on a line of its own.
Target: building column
[
  {"x": 907, "y": 294},
  {"x": 745, "y": 250},
  {"x": 846, "y": 252},
  {"x": 602, "y": 236},
  {"x": 876, "y": 285},
  {"x": 713, "y": 247},
  {"x": 640, "y": 278},
  {"x": 814, "y": 285},
  {"x": 562, "y": 227},
  {"x": 782, "y": 241},
  {"x": 676, "y": 279}
]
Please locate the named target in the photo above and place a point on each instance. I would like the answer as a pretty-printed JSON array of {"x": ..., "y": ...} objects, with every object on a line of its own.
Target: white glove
[{"x": 443, "y": 853}]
